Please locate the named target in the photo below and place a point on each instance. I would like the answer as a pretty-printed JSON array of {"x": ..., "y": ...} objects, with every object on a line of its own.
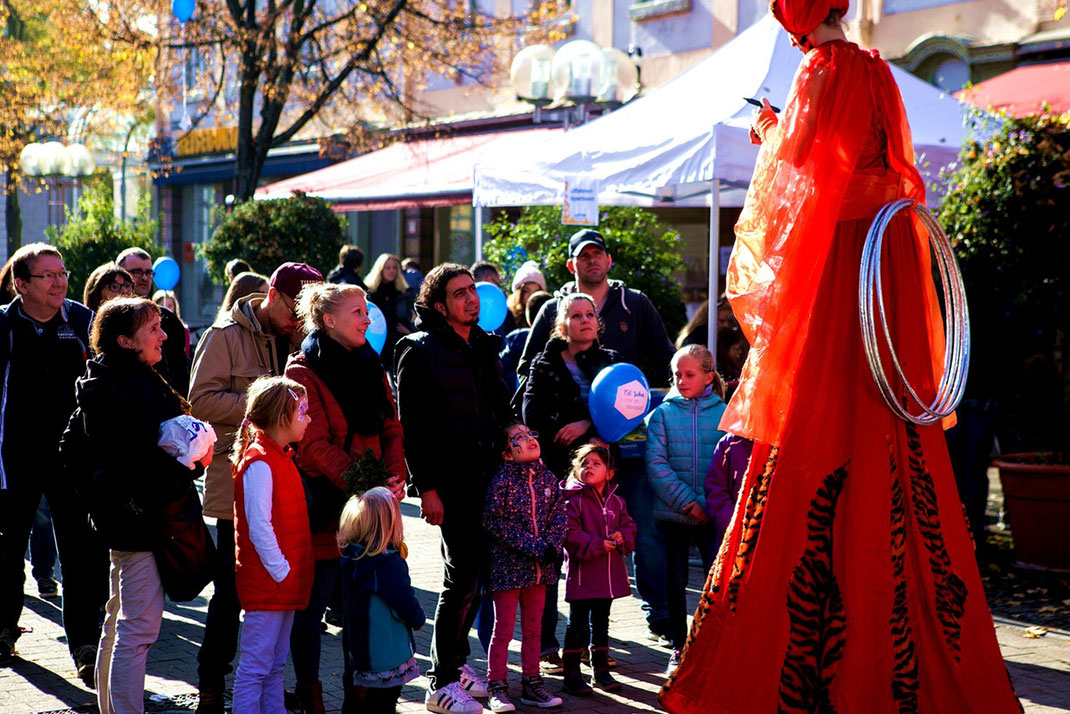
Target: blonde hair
[
  {"x": 372, "y": 519},
  {"x": 317, "y": 300},
  {"x": 563, "y": 306},
  {"x": 375, "y": 275},
  {"x": 269, "y": 401},
  {"x": 704, "y": 357}
]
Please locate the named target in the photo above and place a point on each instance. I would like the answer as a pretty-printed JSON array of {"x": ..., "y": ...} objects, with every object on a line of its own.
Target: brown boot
[{"x": 311, "y": 698}]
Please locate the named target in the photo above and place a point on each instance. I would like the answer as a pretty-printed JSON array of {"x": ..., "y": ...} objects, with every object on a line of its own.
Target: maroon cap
[{"x": 289, "y": 278}]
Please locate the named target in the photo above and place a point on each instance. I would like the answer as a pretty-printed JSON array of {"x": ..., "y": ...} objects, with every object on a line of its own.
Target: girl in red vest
[{"x": 273, "y": 544}]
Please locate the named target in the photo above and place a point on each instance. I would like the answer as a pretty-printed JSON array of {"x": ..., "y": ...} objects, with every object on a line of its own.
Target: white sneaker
[
  {"x": 475, "y": 685},
  {"x": 451, "y": 699}
]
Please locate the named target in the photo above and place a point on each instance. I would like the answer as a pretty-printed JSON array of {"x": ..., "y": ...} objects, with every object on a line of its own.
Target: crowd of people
[{"x": 491, "y": 431}]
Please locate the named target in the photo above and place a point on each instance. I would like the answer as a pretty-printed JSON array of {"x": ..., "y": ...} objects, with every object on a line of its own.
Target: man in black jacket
[
  {"x": 174, "y": 367},
  {"x": 453, "y": 405},
  {"x": 44, "y": 342}
]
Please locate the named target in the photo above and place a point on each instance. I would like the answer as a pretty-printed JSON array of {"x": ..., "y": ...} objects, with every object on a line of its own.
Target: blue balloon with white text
[
  {"x": 619, "y": 399},
  {"x": 376, "y": 333},
  {"x": 492, "y": 307}
]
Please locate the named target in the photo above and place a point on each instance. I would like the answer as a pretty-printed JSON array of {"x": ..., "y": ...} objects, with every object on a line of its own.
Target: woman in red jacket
[{"x": 352, "y": 412}]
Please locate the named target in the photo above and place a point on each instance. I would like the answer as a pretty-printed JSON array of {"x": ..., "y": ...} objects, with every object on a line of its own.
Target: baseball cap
[
  {"x": 583, "y": 238},
  {"x": 289, "y": 278}
]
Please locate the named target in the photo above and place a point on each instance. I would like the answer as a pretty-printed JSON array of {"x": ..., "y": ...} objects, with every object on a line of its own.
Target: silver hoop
[{"x": 956, "y": 328}]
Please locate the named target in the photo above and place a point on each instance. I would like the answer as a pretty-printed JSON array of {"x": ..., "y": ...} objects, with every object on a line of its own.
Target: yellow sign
[{"x": 215, "y": 140}]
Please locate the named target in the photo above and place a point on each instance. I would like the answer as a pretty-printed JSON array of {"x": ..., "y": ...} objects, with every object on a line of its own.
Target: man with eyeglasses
[
  {"x": 174, "y": 367},
  {"x": 43, "y": 350},
  {"x": 252, "y": 341}
]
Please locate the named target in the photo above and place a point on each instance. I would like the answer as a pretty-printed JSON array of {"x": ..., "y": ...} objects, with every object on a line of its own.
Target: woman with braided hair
[{"x": 846, "y": 581}]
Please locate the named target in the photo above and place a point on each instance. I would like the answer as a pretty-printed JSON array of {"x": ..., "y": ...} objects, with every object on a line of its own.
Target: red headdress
[{"x": 801, "y": 17}]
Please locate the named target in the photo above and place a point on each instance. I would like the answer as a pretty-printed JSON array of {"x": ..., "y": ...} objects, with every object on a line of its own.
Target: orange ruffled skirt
[{"x": 847, "y": 580}]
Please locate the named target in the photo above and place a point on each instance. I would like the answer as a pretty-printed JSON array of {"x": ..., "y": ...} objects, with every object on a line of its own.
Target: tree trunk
[{"x": 12, "y": 214}]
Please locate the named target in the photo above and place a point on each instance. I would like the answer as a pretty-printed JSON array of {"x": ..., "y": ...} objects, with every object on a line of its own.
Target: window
[{"x": 950, "y": 73}]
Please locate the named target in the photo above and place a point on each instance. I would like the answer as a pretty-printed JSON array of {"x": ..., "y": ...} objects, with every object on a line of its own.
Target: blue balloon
[
  {"x": 165, "y": 273},
  {"x": 376, "y": 333},
  {"x": 619, "y": 399},
  {"x": 492, "y": 307},
  {"x": 183, "y": 9}
]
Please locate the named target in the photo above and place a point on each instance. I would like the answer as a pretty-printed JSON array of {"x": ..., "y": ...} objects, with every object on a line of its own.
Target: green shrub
[
  {"x": 645, "y": 252},
  {"x": 268, "y": 233},
  {"x": 93, "y": 235}
]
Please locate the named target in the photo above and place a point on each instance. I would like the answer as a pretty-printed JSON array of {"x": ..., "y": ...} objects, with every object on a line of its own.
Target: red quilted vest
[{"x": 289, "y": 519}]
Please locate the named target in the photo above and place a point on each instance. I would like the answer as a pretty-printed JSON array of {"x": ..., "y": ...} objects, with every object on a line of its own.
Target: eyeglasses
[
  {"x": 51, "y": 277},
  {"x": 516, "y": 439},
  {"x": 291, "y": 305},
  {"x": 142, "y": 272},
  {"x": 120, "y": 287}
]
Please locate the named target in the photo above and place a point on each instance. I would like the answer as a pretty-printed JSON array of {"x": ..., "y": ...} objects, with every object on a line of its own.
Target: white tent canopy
[{"x": 667, "y": 147}]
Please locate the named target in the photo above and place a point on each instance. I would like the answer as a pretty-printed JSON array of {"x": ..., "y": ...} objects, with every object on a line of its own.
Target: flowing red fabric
[
  {"x": 801, "y": 17},
  {"x": 846, "y": 581}
]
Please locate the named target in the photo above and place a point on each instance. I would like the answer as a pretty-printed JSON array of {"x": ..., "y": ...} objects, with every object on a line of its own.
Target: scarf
[{"x": 355, "y": 380}]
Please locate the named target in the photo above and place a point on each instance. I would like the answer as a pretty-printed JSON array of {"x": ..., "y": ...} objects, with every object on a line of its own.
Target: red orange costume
[{"x": 846, "y": 581}]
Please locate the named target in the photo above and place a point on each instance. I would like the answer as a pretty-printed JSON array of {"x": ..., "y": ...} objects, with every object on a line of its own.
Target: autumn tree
[
  {"x": 276, "y": 68},
  {"x": 60, "y": 78}
]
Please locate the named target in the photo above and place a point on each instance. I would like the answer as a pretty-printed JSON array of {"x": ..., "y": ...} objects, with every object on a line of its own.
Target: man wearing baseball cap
[
  {"x": 252, "y": 341},
  {"x": 632, "y": 327}
]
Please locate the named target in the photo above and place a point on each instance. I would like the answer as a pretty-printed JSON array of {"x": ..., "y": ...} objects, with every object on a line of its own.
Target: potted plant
[{"x": 1006, "y": 213}]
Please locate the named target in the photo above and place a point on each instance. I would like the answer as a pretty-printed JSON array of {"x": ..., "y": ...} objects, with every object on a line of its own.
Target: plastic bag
[{"x": 187, "y": 439}]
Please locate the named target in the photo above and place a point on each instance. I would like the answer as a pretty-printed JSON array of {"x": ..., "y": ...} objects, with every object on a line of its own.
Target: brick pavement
[{"x": 42, "y": 679}]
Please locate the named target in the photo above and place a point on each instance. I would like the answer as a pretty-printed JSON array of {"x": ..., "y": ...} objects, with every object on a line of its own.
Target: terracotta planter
[{"x": 1037, "y": 499}]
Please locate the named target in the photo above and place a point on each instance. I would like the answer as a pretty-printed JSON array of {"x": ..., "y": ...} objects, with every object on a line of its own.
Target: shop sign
[
  {"x": 213, "y": 140},
  {"x": 580, "y": 207}
]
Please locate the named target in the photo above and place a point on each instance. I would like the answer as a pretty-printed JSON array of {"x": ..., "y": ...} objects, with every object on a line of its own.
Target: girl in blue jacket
[
  {"x": 681, "y": 436},
  {"x": 381, "y": 609}
]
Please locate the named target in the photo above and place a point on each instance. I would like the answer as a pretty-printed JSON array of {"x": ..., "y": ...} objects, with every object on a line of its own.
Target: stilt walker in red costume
[{"x": 846, "y": 581}]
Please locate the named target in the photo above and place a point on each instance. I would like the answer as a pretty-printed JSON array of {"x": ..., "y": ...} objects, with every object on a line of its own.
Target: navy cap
[{"x": 583, "y": 238}]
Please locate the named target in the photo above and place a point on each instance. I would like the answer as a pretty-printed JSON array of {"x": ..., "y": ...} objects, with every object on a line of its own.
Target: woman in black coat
[
  {"x": 130, "y": 484},
  {"x": 388, "y": 290},
  {"x": 556, "y": 391}
]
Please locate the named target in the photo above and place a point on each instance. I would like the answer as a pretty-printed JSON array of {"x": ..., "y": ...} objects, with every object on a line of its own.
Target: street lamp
[{"x": 620, "y": 78}]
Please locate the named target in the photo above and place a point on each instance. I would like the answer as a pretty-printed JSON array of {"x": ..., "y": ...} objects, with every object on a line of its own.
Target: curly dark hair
[{"x": 433, "y": 288}]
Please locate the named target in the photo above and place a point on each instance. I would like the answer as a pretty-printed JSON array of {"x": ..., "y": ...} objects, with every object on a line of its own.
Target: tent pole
[
  {"x": 477, "y": 220},
  {"x": 714, "y": 266}
]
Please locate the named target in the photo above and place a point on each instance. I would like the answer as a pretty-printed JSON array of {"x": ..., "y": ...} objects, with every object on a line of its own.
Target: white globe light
[
  {"x": 529, "y": 74},
  {"x": 79, "y": 160},
  {"x": 29, "y": 159},
  {"x": 50, "y": 159},
  {"x": 577, "y": 70},
  {"x": 620, "y": 77}
]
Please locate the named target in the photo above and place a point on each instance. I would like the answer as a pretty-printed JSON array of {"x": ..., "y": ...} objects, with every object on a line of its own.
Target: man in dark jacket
[
  {"x": 174, "y": 367},
  {"x": 633, "y": 328},
  {"x": 44, "y": 342},
  {"x": 453, "y": 404},
  {"x": 350, "y": 261}
]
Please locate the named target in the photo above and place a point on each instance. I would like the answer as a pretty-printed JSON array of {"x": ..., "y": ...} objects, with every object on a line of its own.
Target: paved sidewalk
[{"x": 43, "y": 680}]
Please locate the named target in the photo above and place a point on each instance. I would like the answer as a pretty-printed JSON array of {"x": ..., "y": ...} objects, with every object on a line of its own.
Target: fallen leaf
[{"x": 1035, "y": 632}]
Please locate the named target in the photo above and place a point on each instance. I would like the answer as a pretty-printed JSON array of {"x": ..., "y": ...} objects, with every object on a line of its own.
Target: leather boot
[
  {"x": 311, "y": 698},
  {"x": 602, "y": 679},
  {"x": 573, "y": 682}
]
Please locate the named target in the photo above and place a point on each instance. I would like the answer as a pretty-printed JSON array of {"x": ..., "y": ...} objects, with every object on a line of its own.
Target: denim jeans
[
  {"x": 265, "y": 642},
  {"x": 84, "y": 562},
  {"x": 550, "y": 616},
  {"x": 223, "y": 620},
  {"x": 43, "y": 543},
  {"x": 649, "y": 556},
  {"x": 306, "y": 634},
  {"x": 588, "y": 624},
  {"x": 131, "y": 625},
  {"x": 530, "y": 600},
  {"x": 678, "y": 539}
]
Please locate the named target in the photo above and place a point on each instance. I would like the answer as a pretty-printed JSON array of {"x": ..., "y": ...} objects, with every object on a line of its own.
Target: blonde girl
[
  {"x": 380, "y": 604},
  {"x": 273, "y": 545}
]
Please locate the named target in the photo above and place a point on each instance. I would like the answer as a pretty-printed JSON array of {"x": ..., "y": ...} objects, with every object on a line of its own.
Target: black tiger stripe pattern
[
  {"x": 752, "y": 526},
  {"x": 905, "y": 669},
  {"x": 816, "y": 611},
  {"x": 950, "y": 589}
]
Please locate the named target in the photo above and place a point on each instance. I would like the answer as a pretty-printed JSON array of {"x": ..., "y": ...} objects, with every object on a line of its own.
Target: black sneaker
[
  {"x": 85, "y": 663},
  {"x": 47, "y": 588},
  {"x": 7, "y": 647},
  {"x": 211, "y": 701},
  {"x": 536, "y": 694}
]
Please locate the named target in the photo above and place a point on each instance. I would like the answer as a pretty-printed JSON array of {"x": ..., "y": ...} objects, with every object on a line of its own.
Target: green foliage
[
  {"x": 645, "y": 252},
  {"x": 366, "y": 473},
  {"x": 268, "y": 233},
  {"x": 93, "y": 235}
]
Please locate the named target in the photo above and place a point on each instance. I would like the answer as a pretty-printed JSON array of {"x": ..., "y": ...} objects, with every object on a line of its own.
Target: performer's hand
[
  {"x": 695, "y": 512},
  {"x": 764, "y": 120},
  {"x": 431, "y": 509}
]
